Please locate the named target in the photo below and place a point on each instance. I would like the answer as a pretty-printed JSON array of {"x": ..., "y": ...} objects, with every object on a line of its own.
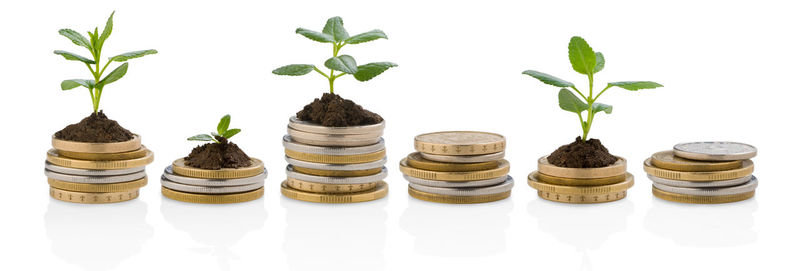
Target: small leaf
[
  {"x": 635, "y": 85},
  {"x": 314, "y": 35},
  {"x": 335, "y": 28},
  {"x": 106, "y": 30},
  {"x": 131, "y": 55},
  {"x": 581, "y": 56},
  {"x": 570, "y": 102},
  {"x": 368, "y": 71},
  {"x": 597, "y": 107},
  {"x": 201, "y": 137},
  {"x": 73, "y": 83},
  {"x": 73, "y": 56},
  {"x": 342, "y": 63},
  {"x": 114, "y": 75},
  {"x": 223, "y": 124},
  {"x": 294, "y": 69},
  {"x": 600, "y": 62},
  {"x": 548, "y": 79},
  {"x": 76, "y": 38},
  {"x": 367, "y": 37},
  {"x": 230, "y": 133}
]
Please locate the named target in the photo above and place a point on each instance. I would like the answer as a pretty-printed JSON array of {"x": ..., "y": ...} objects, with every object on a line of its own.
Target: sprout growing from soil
[
  {"x": 586, "y": 61},
  {"x": 221, "y": 135},
  {"x": 335, "y": 34},
  {"x": 95, "y": 44}
]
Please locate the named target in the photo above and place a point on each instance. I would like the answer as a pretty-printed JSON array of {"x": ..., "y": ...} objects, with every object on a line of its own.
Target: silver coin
[
  {"x": 91, "y": 172},
  {"x": 290, "y": 144},
  {"x": 715, "y": 151},
  {"x": 445, "y": 184},
  {"x": 464, "y": 159},
  {"x": 95, "y": 179},
  {"x": 290, "y": 173},
  {"x": 171, "y": 176},
  {"x": 348, "y": 130},
  {"x": 194, "y": 189},
  {"x": 334, "y": 142},
  {"x": 677, "y": 183},
  {"x": 343, "y": 167},
  {"x": 711, "y": 191},
  {"x": 467, "y": 191},
  {"x": 332, "y": 137}
]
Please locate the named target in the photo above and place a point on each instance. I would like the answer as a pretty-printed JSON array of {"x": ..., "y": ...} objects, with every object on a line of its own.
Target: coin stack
[
  {"x": 703, "y": 172},
  {"x": 581, "y": 185},
  {"x": 84, "y": 172},
  {"x": 227, "y": 185},
  {"x": 458, "y": 167},
  {"x": 334, "y": 164}
]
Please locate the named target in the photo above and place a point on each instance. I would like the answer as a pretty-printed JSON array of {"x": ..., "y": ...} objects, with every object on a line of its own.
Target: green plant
[
  {"x": 221, "y": 135},
  {"x": 95, "y": 44},
  {"x": 586, "y": 61},
  {"x": 335, "y": 34}
]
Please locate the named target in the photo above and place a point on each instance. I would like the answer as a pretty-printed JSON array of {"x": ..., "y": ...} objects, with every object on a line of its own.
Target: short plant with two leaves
[{"x": 222, "y": 135}]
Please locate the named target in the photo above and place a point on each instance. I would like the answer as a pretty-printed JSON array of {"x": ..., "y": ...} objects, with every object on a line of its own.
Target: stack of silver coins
[{"x": 227, "y": 185}]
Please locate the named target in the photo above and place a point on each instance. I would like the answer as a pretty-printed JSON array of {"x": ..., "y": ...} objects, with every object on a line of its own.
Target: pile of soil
[
  {"x": 334, "y": 111},
  {"x": 96, "y": 128},
  {"x": 580, "y": 154},
  {"x": 218, "y": 155}
]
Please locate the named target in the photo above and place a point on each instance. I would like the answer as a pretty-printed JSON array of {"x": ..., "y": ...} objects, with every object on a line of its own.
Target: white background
[{"x": 729, "y": 67}]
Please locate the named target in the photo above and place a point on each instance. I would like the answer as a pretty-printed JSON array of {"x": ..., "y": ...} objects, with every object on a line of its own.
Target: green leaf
[
  {"x": 335, "y": 28},
  {"x": 635, "y": 85},
  {"x": 223, "y": 124},
  {"x": 570, "y": 102},
  {"x": 106, "y": 30},
  {"x": 202, "y": 137},
  {"x": 342, "y": 63},
  {"x": 76, "y": 38},
  {"x": 597, "y": 107},
  {"x": 73, "y": 56},
  {"x": 131, "y": 55},
  {"x": 368, "y": 71},
  {"x": 314, "y": 35},
  {"x": 230, "y": 133},
  {"x": 581, "y": 56},
  {"x": 294, "y": 69},
  {"x": 114, "y": 75},
  {"x": 600, "y": 62},
  {"x": 548, "y": 79},
  {"x": 73, "y": 83},
  {"x": 366, "y": 37}
]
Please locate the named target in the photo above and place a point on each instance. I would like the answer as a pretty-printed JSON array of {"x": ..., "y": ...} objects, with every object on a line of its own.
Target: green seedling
[
  {"x": 586, "y": 61},
  {"x": 221, "y": 135},
  {"x": 335, "y": 34},
  {"x": 95, "y": 44}
]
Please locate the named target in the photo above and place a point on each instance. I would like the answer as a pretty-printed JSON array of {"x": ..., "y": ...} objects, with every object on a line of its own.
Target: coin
[
  {"x": 380, "y": 191},
  {"x": 329, "y": 188},
  {"x": 481, "y": 183},
  {"x": 311, "y": 139},
  {"x": 95, "y": 179},
  {"x": 169, "y": 175},
  {"x": 338, "y": 173},
  {"x": 97, "y": 188},
  {"x": 456, "y": 199},
  {"x": 462, "y": 176},
  {"x": 213, "y": 190},
  {"x": 667, "y": 160},
  {"x": 290, "y": 144},
  {"x": 459, "y": 143},
  {"x": 332, "y": 137},
  {"x": 54, "y": 158},
  {"x": 336, "y": 167},
  {"x": 677, "y": 183},
  {"x": 616, "y": 169},
  {"x": 179, "y": 167},
  {"x": 745, "y": 170},
  {"x": 576, "y": 182},
  {"x": 710, "y": 191},
  {"x": 415, "y": 160},
  {"x": 583, "y": 190},
  {"x": 93, "y": 198},
  {"x": 310, "y": 127},
  {"x": 464, "y": 159},
  {"x": 91, "y": 172},
  {"x": 141, "y": 152},
  {"x": 466, "y": 191},
  {"x": 702, "y": 199},
  {"x": 88, "y": 147},
  {"x": 715, "y": 151},
  {"x": 336, "y": 159},
  {"x": 583, "y": 199},
  {"x": 212, "y": 199},
  {"x": 292, "y": 173}
]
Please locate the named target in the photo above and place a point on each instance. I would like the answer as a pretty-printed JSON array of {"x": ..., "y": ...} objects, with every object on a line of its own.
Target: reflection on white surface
[
  {"x": 97, "y": 237},
  {"x": 702, "y": 225},
  {"x": 216, "y": 226},
  {"x": 335, "y": 236},
  {"x": 457, "y": 230}
]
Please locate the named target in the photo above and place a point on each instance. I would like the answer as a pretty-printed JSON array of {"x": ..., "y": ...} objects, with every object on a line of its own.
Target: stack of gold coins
[
  {"x": 83, "y": 172},
  {"x": 581, "y": 185},
  {"x": 227, "y": 185},
  {"x": 703, "y": 172},
  {"x": 458, "y": 167},
  {"x": 334, "y": 164}
]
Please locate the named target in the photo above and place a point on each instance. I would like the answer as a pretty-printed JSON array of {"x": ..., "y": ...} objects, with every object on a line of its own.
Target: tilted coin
[
  {"x": 668, "y": 160},
  {"x": 431, "y": 197},
  {"x": 467, "y": 191},
  {"x": 313, "y": 139},
  {"x": 338, "y": 167},
  {"x": 583, "y": 198},
  {"x": 710, "y": 191},
  {"x": 88, "y": 147},
  {"x": 459, "y": 143},
  {"x": 91, "y": 172},
  {"x": 179, "y": 167},
  {"x": 98, "y": 188},
  {"x": 293, "y": 174},
  {"x": 329, "y": 188},
  {"x": 380, "y": 191},
  {"x": 616, "y": 169},
  {"x": 674, "y": 197},
  {"x": 415, "y": 160},
  {"x": 481, "y": 183},
  {"x": 336, "y": 159},
  {"x": 169, "y": 175},
  {"x": 678, "y": 183},
  {"x": 745, "y": 170},
  {"x": 338, "y": 173},
  {"x": 583, "y": 190},
  {"x": 715, "y": 151},
  {"x": 462, "y": 176},
  {"x": 95, "y": 179},
  {"x": 212, "y": 199},
  {"x": 576, "y": 182},
  {"x": 310, "y": 127},
  {"x": 290, "y": 144},
  {"x": 465, "y": 159},
  {"x": 141, "y": 152},
  {"x": 93, "y": 198},
  {"x": 54, "y": 158},
  {"x": 194, "y": 189}
]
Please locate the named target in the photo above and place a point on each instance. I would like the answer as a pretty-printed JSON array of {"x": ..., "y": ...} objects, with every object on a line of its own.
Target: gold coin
[
  {"x": 583, "y": 199},
  {"x": 88, "y": 147},
  {"x": 460, "y": 143},
  {"x": 616, "y": 169},
  {"x": 338, "y": 173},
  {"x": 212, "y": 198},
  {"x": 583, "y": 190},
  {"x": 460, "y": 176},
  {"x": 415, "y": 160},
  {"x": 328, "y": 188},
  {"x": 179, "y": 167},
  {"x": 56, "y": 159},
  {"x": 97, "y": 188},
  {"x": 576, "y": 182},
  {"x": 93, "y": 198},
  {"x": 701, "y": 199},
  {"x": 378, "y": 192},
  {"x": 336, "y": 159},
  {"x": 705, "y": 176},
  {"x": 667, "y": 160},
  {"x": 456, "y": 199},
  {"x": 141, "y": 152}
]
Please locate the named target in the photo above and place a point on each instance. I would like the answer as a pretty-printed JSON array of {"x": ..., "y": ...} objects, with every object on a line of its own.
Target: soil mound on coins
[
  {"x": 334, "y": 111},
  {"x": 579, "y": 154},
  {"x": 96, "y": 128},
  {"x": 218, "y": 155}
]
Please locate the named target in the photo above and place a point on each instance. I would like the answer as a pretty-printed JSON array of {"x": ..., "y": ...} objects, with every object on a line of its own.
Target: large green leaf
[
  {"x": 114, "y": 75},
  {"x": 600, "y": 62},
  {"x": 76, "y": 38},
  {"x": 106, "y": 30},
  {"x": 335, "y": 28},
  {"x": 73, "y": 56},
  {"x": 597, "y": 107},
  {"x": 230, "y": 133},
  {"x": 294, "y": 69},
  {"x": 73, "y": 83},
  {"x": 367, "y": 36},
  {"x": 314, "y": 35},
  {"x": 570, "y": 102},
  {"x": 131, "y": 55},
  {"x": 368, "y": 71},
  {"x": 342, "y": 63},
  {"x": 223, "y": 124},
  {"x": 635, "y": 85},
  {"x": 548, "y": 79},
  {"x": 202, "y": 137},
  {"x": 581, "y": 56}
]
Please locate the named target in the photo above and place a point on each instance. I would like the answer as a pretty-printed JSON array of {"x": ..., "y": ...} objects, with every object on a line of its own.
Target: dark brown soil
[
  {"x": 579, "y": 154},
  {"x": 334, "y": 111},
  {"x": 96, "y": 128},
  {"x": 218, "y": 155}
]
